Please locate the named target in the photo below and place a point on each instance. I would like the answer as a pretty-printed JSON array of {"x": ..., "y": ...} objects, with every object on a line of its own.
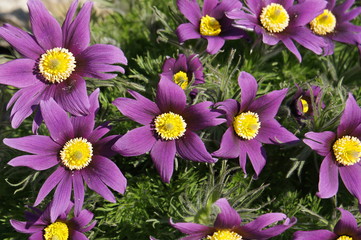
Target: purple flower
[
  {"x": 334, "y": 24},
  {"x": 228, "y": 226},
  {"x": 211, "y": 24},
  {"x": 41, "y": 227},
  {"x": 79, "y": 153},
  {"x": 250, "y": 123},
  {"x": 169, "y": 127},
  {"x": 283, "y": 21},
  {"x": 342, "y": 152},
  {"x": 55, "y": 61},
  {"x": 183, "y": 71},
  {"x": 345, "y": 229},
  {"x": 303, "y": 101}
]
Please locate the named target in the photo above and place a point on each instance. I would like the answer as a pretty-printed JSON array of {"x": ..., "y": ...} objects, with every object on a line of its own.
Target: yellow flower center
[
  {"x": 305, "y": 107},
  {"x": 181, "y": 79},
  {"x": 344, "y": 237},
  {"x": 274, "y": 18},
  {"x": 56, "y": 231},
  {"x": 56, "y": 65},
  {"x": 170, "y": 126},
  {"x": 324, "y": 23},
  {"x": 209, "y": 26},
  {"x": 77, "y": 153},
  {"x": 347, "y": 150},
  {"x": 246, "y": 125},
  {"x": 224, "y": 235}
]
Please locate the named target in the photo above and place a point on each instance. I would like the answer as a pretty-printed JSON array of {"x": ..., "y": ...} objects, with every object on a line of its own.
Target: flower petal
[
  {"x": 99, "y": 132},
  {"x": 36, "y": 236},
  {"x": 36, "y": 162},
  {"x": 230, "y": 146},
  {"x": 228, "y": 217},
  {"x": 248, "y": 86},
  {"x": 61, "y": 196},
  {"x": 187, "y": 31},
  {"x": 35, "y": 144},
  {"x": 314, "y": 235},
  {"x": 328, "y": 182},
  {"x": 103, "y": 146},
  {"x": 79, "y": 192},
  {"x": 307, "y": 39},
  {"x": 256, "y": 154},
  {"x": 24, "y": 227},
  {"x": 292, "y": 47},
  {"x": 271, "y": 132},
  {"x": 231, "y": 107},
  {"x": 18, "y": 73},
  {"x": 320, "y": 142},
  {"x": 170, "y": 97},
  {"x": 82, "y": 219},
  {"x": 191, "y": 228},
  {"x": 215, "y": 43},
  {"x": 77, "y": 235},
  {"x": 351, "y": 177},
  {"x": 163, "y": 154},
  {"x": 351, "y": 117},
  {"x": 95, "y": 184},
  {"x": 347, "y": 225},
  {"x": 190, "y": 9}
]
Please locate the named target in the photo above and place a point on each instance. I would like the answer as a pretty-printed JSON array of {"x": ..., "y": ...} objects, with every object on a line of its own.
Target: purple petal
[
  {"x": 77, "y": 235},
  {"x": 256, "y": 154},
  {"x": 18, "y": 73},
  {"x": 36, "y": 162},
  {"x": 292, "y": 47},
  {"x": 192, "y": 228},
  {"x": 187, "y": 31},
  {"x": 69, "y": 19},
  {"x": 314, "y": 235},
  {"x": 351, "y": 117},
  {"x": 170, "y": 97},
  {"x": 231, "y": 107},
  {"x": 82, "y": 219},
  {"x": 249, "y": 86},
  {"x": 104, "y": 146},
  {"x": 254, "y": 6},
  {"x": 190, "y": 9},
  {"x": 163, "y": 153},
  {"x": 307, "y": 39},
  {"x": 99, "y": 132},
  {"x": 109, "y": 173},
  {"x": 328, "y": 182},
  {"x": 35, "y": 144},
  {"x": 215, "y": 43},
  {"x": 94, "y": 183},
  {"x": 21, "y": 41},
  {"x": 243, "y": 161},
  {"x": 230, "y": 146},
  {"x": 208, "y": 6},
  {"x": 347, "y": 225},
  {"x": 270, "y": 39},
  {"x": 46, "y": 29},
  {"x": 225, "y": 6},
  {"x": 78, "y": 187},
  {"x": 228, "y": 217},
  {"x": 61, "y": 196},
  {"x": 320, "y": 142},
  {"x": 351, "y": 177},
  {"x": 89, "y": 227},
  {"x": 191, "y": 147},
  {"x": 303, "y": 17},
  {"x": 36, "y": 236},
  {"x": 57, "y": 121},
  {"x": 271, "y": 132},
  {"x": 24, "y": 227},
  {"x": 135, "y": 142}
]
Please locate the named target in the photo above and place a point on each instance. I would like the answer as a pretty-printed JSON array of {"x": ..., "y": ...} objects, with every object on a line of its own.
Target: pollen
[
  {"x": 274, "y": 18},
  {"x": 181, "y": 79},
  {"x": 324, "y": 23},
  {"x": 344, "y": 237},
  {"x": 77, "y": 153},
  {"x": 56, "y": 231},
  {"x": 347, "y": 150},
  {"x": 305, "y": 106},
  {"x": 246, "y": 125},
  {"x": 224, "y": 235},
  {"x": 56, "y": 65},
  {"x": 209, "y": 26},
  {"x": 170, "y": 126}
]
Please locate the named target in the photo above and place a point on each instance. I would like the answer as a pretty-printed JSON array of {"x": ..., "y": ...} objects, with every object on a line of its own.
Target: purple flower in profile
[
  {"x": 345, "y": 229},
  {"x": 56, "y": 58},
  {"x": 334, "y": 24},
  {"x": 250, "y": 123},
  {"x": 183, "y": 71},
  {"x": 79, "y": 153},
  {"x": 41, "y": 227},
  {"x": 169, "y": 127},
  {"x": 282, "y": 21},
  {"x": 211, "y": 23},
  {"x": 342, "y": 152},
  {"x": 228, "y": 226}
]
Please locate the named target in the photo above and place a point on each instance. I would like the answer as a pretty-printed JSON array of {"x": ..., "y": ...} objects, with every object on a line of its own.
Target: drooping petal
[
  {"x": 271, "y": 132},
  {"x": 36, "y": 162},
  {"x": 94, "y": 183},
  {"x": 230, "y": 146},
  {"x": 79, "y": 192},
  {"x": 35, "y": 144},
  {"x": 248, "y": 86},
  {"x": 347, "y": 225},
  {"x": 314, "y": 235},
  {"x": 24, "y": 227},
  {"x": 163, "y": 153},
  {"x": 18, "y": 73},
  {"x": 190, "y": 9},
  {"x": 61, "y": 196},
  {"x": 351, "y": 117},
  {"x": 351, "y": 177},
  {"x": 320, "y": 142},
  {"x": 256, "y": 154},
  {"x": 187, "y": 31},
  {"x": 228, "y": 217},
  {"x": 77, "y": 235},
  {"x": 170, "y": 97},
  {"x": 135, "y": 142},
  {"x": 215, "y": 43},
  {"x": 292, "y": 47},
  {"x": 191, "y": 228},
  {"x": 328, "y": 182}
]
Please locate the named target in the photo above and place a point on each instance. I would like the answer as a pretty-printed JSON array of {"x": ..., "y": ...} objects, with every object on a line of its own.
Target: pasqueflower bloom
[
  {"x": 183, "y": 71},
  {"x": 211, "y": 24},
  {"x": 79, "y": 153},
  {"x": 282, "y": 21},
  {"x": 345, "y": 229},
  {"x": 55, "y": 61},
  {"x": 41, "y": 227},
  {"x": 227, "y": 226},
  {"x": 169, "y": 127},
  {"x": 333, "y": 24},
  {"x": 250, "y": 123},
  {"x": 342, "y": 152}
]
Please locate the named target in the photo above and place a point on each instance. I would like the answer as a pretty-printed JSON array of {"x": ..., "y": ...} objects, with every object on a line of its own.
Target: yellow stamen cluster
[
  {"x": 56, "y": 65},
  {"x": 209, "y": 26},
  {"x": 324, "y": 23},
  {"x": 170, "y": 126},
  {"x": 305, "y": 106},
  {"x": 56, "y": 231},
  {"x": 181, "y": 79},
  {"x": 274, "y": 18},
  {"x": 347, "y": 150},
  {"x": 246, "y": 125},
  {"x": 224, "y": 235},
  {"x": 344, "y": 237},
  {"x": 77, "y": 153}
]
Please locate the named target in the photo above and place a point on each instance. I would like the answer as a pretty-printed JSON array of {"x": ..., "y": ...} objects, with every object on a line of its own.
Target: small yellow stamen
[
  {"x": 344, "y": 237},
  {"x": 56, "y": 231},
  {"x": 170, "y": 126},
  {"x": 77, "y": 153},
  {"x": 324, "y": 23},
  {"x": 56, "y": 65},
  {"x": 209, "y": 26},
  {"x": 224, "y": 235},
  {"x": 347, "y": 150},
  {"x": 274, "y": 18},
  {"x": 305, "y": 107},
  {"x": 181, "y": 79},
  {"x": 246, "y": 125}
]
